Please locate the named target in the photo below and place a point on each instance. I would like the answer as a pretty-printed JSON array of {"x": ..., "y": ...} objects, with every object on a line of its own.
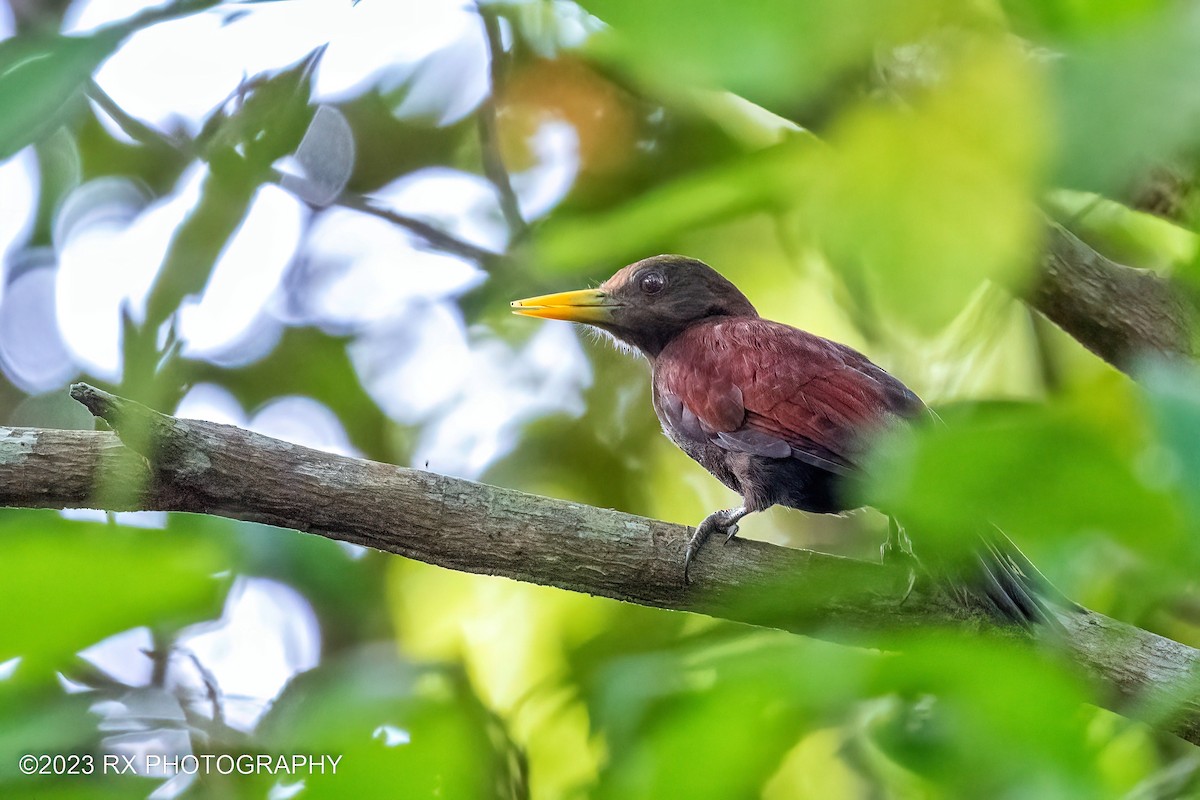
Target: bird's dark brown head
[{"x": 647, "y": 303}]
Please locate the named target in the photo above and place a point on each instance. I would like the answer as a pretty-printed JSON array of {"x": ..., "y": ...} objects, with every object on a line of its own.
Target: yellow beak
[{"x": 584, "y": 305}]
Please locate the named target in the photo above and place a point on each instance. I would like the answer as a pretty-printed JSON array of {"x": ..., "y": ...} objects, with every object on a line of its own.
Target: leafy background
[{"x": 203, "y": 209}]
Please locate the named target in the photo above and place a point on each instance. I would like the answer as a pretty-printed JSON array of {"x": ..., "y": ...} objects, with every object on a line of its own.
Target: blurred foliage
[
  {"x": 37, "y": 79},
  {"x": 874, "y": 171},
  {"x": 175, "y": 586},
  {"x": 429, "y": 734}
]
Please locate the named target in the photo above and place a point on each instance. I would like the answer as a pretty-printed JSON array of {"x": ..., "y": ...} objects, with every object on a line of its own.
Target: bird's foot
[{"x": 725, "y": 521}]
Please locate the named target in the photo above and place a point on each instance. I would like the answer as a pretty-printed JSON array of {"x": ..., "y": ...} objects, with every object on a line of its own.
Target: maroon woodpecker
[{"x": 779, "y": 415}]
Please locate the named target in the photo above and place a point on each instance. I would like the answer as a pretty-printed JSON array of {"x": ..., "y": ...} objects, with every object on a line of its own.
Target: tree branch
[
  {"x": 1117, "y": 312},
  {"x": 489, "y": 133},
  {"x": 133, "y": 127},
  {"x": 433, "y": 235},
  {"x": 203, "y": 467}
]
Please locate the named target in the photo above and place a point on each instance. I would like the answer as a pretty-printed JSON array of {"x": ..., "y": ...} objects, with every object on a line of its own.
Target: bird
[{"x": 779, "y": 415}]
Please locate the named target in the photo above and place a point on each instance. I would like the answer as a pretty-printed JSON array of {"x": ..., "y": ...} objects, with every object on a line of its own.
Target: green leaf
[
  {"x": 268, "y": 122},
  {"x": 66, "y": 585},
  {"x": 1128, "y": 99},
  {"x": 1071, "y": 19},
  {"x": 39, "y": 720},
  {"x": 197, "y": 243},
  {"x": 716, "y": 721},
  {"x": 983, "y": 718},
  {"x": 41, "y": 75},
  {"x": 418, "y": 731},
  {"x": 1043, "y": 473},
  {"x": 39, "y": 78},
  {"x": 921, "y": 204},
  {"x": 1173, "y": 400},
  {"x": 773, "y": 52},
  {"x": 771, "y": 177}
]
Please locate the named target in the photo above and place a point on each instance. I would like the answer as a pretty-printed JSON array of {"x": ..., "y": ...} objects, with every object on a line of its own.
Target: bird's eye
[{"x": 652, "y": 282}]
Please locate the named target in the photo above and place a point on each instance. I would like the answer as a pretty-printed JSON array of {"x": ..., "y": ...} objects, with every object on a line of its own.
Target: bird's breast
[{"x": 683, "y": 429}]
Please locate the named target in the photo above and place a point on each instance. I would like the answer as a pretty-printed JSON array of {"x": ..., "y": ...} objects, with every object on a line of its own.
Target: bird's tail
[
  {"x": 1002, "y": 579},
  {"x": 998, "y": 578}
]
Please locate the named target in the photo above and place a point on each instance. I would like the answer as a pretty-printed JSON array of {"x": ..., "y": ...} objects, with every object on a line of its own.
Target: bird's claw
[
  {"x": 699, "y": 536},
  {"x": 725, "y": 521}
]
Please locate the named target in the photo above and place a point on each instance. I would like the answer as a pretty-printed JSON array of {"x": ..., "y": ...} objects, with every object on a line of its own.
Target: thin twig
[
  {"x": 435, "y": 236},
  {"x": 212, "y": 689},
  {"x": 153, "y": 16},
  {"x": 133, "y": 127},
  {"x": 489, "y": 136}
]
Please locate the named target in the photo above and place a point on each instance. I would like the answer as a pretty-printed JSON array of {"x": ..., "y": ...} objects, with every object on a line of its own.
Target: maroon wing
[{"x": 761, "y": 387}]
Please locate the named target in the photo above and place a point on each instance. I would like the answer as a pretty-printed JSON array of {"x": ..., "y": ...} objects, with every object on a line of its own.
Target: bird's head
[{"x": 647, "y": 303}]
